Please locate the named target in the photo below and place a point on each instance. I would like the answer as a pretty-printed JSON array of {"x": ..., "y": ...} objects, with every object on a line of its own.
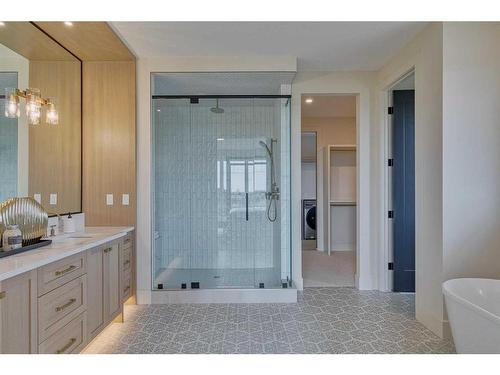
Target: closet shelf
[
  {"x": 308, "y": 160},
  {"x": 342, "y": 203}
]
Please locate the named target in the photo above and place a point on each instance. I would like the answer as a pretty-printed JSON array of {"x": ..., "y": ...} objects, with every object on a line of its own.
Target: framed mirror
[{"x": 40, "y": 158}]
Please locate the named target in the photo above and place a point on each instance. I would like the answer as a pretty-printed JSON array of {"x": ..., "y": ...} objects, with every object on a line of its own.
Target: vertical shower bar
[{"x": 246, "y": 205}]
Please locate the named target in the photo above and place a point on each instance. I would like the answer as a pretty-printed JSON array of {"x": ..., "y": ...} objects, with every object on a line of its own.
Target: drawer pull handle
[
  {"x": 126, "y": 263},
  {"x": 107, "y": 250},
  {"x": 69, "y": 269},
  {"x": 3, "y": 295},
  {"x": 67, "y": 346},
  {"x": 67, "y": 304}
]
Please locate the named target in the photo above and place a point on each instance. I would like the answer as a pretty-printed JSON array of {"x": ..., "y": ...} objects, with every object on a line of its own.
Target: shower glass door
[{"x": 215, "y": 222}]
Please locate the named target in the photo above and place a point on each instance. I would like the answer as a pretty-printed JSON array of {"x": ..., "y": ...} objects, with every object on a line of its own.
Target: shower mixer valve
[{"x": 274, "y": 193}]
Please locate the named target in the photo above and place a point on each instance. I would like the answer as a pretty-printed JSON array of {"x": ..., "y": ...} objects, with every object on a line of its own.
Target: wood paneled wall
[
  {"x": 109, "y": 142},
  {"x": 55, "y": 150}
]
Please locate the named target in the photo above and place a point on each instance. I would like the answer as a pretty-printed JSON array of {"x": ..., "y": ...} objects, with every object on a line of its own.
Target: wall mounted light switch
[
  {"x": 53, "y": 199},
  {"x": 125, "y": 199},
  {"x": 109, "y": 199},
  {"x": 37, "y": 197}
]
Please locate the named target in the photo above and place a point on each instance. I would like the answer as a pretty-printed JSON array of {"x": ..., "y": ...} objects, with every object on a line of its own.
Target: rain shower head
[{"x": 217, "y": 109}]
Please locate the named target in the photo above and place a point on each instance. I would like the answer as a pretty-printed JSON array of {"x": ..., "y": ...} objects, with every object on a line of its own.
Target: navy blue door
[{"x": 403, "y": 188}]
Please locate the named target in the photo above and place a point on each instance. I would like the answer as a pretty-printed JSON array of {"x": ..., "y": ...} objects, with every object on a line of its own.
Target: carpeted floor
[{"x": 322, "y": 270}]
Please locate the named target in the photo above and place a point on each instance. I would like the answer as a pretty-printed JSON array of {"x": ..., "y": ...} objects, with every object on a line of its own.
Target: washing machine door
[{"x": 311, "y": 218}]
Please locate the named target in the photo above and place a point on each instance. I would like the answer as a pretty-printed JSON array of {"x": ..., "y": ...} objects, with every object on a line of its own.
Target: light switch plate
[
  {"x": 109, "y": 199},
  {"x": 53, "y": 199},
  {"x": 37, "y": 197},
  {"x": 125, "y": 199}
]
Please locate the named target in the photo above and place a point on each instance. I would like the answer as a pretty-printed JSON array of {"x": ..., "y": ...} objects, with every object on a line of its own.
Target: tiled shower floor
[{"x": 325, "y": 320}]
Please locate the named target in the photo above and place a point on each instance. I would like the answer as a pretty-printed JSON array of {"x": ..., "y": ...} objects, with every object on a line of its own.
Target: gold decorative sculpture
[{"x": 28, "y": 215}]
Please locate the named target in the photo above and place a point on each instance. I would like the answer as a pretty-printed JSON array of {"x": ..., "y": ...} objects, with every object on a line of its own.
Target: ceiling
[
  {"x": 329, "y": 106},
  {"x": 318, "y": 46}
]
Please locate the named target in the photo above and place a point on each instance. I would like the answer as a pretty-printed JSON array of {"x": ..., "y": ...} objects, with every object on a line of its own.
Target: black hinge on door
[
  {"x": 390, "y": 266},
  {"x": 194, "y": 100},
  {"x": 390, "y": 162},
  {"x": 390, "y": 110},
  {"x": 390, "y": 214}
]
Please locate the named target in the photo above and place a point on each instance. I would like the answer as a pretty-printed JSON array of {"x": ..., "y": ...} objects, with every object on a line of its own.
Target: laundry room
[{"x": 329, "y": 189}]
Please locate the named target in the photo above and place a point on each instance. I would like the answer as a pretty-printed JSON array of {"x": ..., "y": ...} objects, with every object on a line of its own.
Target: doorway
[
  {"x": 402, "y": 187},
  {"x": 331, "y": 120}
]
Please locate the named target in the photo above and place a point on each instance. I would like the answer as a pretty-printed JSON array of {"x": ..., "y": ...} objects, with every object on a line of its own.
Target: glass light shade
[
  {"x": 33, "y": 106},
  {"x": 12, "y": 107},
  {"x": 51, "y": 116},
  {"x": 34, "y": 116}
]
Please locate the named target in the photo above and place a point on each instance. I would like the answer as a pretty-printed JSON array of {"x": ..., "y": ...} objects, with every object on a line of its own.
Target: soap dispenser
[{"x": 69, "y": 224}]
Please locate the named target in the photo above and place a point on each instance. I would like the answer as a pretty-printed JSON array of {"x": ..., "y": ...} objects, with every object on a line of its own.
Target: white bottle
[
  {"x": 12, "y": 238},
  {"x": 69, "y": 224}
]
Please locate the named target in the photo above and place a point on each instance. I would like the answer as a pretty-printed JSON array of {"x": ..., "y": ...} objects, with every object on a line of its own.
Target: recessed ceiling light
[
  {"x": 68, "y": 23},
  {"x": 158, "y": 110},
  {"x": 309, "y": 100},
  {"x": 220, "y": 139}
]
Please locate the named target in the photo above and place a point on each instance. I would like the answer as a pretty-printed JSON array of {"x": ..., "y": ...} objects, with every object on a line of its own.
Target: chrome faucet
[{"x": 52, "y": 227}]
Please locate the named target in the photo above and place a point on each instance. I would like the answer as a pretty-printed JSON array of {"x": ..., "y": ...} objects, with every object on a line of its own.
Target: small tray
[{"x": 42, "y": 243}]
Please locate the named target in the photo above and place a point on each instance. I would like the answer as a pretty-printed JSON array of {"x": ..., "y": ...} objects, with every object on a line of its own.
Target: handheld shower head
[{"x": 263, "y": 144}]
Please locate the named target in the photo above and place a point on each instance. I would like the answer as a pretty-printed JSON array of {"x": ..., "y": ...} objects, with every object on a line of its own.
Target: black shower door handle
[{"x": 246, "y": 206}]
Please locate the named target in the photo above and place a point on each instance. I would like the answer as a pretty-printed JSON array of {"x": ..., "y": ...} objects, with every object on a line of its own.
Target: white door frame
[{"x": 362, "y": 195}]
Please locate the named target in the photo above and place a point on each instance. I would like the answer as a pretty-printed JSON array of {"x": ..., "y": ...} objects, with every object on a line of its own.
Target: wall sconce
[{"x": 34, "y": 103}]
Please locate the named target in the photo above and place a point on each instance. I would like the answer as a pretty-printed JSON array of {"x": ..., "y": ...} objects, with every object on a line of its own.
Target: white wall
[
  {"x": 471, "y": 150},
  {"x": 10, "y": 61},
  {"x": 359, "y": 84},
  {"x": 424, "y": 54}
]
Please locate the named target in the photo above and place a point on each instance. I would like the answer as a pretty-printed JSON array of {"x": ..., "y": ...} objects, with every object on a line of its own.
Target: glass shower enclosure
[{"x": 221, "y": 192}]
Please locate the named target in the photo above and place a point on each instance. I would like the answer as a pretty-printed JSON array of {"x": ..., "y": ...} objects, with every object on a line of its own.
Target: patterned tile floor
[{"x": 325, "y": 320}]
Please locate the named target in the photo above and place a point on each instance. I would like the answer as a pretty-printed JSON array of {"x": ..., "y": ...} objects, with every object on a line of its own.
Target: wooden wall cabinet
[{"x": 18, "y": 314}]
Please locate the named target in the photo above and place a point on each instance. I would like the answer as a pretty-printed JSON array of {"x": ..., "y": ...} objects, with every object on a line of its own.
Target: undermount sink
[{"x": 68, "y": 236}]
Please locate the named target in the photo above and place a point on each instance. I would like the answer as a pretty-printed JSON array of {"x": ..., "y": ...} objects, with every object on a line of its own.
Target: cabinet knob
[{"x": 107, "y": 250}]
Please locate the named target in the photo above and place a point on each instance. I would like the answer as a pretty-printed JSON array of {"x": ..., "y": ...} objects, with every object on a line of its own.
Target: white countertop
[{"x": 61, "y": 247}]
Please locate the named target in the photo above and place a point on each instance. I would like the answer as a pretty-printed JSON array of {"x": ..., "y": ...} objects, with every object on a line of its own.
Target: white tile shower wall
[{"x": 199, "y": 225}]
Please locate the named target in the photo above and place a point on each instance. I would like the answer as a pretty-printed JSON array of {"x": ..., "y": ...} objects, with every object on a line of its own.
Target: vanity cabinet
[
  {"x": 18, "y": 309},
  {"x": 60, "y": 307},
  {"x": 104, "y": 296}
]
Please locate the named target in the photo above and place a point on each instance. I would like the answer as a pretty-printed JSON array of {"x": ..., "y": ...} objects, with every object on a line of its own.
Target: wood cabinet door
[
  {"x": 95, "y": 291},
  {"x": 112, "y": 292},
  {"x": 18, "y": 319}
]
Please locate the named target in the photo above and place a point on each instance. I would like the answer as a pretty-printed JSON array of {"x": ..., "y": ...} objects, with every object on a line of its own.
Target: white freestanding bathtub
[{"x": 473, "y": 307}]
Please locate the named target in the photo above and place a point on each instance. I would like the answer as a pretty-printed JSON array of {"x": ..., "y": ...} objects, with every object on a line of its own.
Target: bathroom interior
[{"x": 154, "y": 203}]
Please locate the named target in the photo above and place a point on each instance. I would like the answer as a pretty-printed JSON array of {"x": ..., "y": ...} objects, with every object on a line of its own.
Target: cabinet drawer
[
  {"x": 58, "y": 307},
  {"x": 71, "y": 338},
  {"x": 59, "y": 273},
  {"x": 126, "y": 259},
  {"x": 127, "y": 241},
  {"x": 126, "y": 286}
]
